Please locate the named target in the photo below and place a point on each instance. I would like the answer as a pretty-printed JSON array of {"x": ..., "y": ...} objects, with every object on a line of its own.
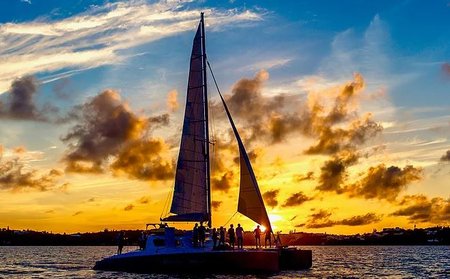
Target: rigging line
[
  {"x": 230, "y": 219},
  {"x": 214, "y": 78}
]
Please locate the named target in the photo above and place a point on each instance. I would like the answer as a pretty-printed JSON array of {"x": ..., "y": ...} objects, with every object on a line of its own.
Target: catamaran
[{"x": 168, "y": 251}]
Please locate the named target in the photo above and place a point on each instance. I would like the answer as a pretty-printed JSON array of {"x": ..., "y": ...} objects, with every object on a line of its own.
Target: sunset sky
[{"x": 343, "y": 106}]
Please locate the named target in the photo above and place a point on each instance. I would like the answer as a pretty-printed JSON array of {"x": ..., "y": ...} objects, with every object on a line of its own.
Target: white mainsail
[
  {"x": 192, "y": 193},
  {"x": 191, "y": 197}
]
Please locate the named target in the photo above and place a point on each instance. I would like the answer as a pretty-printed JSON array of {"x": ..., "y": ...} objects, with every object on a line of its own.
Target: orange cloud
[
  {"x": 383, "y": 182},
  {"x": 106, "y": 127},
  {"x": 172, "y": 101},
  {"x": 15, "y": 177},
  {"x": 321, "y": 219},
  {"x": 419, "y": 208}
]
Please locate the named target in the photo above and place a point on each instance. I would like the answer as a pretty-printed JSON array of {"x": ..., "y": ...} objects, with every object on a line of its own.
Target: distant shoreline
[{"x": 387, "y": 237}]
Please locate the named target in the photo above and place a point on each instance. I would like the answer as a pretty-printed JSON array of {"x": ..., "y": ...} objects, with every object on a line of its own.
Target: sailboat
[{"x": 168, "y": 251}]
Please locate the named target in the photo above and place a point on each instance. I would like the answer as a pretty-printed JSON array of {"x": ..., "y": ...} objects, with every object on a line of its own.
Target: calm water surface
[{"x": 328, "y": 261}]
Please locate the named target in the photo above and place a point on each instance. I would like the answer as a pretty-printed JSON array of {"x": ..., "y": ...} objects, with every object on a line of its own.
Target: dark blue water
[{"x": 328, "y": 261}]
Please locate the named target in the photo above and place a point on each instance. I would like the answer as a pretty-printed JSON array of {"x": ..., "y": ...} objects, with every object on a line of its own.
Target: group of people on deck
[{"x": 234, "y": 236}]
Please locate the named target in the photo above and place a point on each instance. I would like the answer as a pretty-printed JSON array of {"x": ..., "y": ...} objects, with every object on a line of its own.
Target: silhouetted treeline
[
  {"x": 394, "y": 236},
  {"x": 28, "y": 237}
]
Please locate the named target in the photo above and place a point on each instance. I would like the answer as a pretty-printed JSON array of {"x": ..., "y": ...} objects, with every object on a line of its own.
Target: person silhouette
[
  {"x": 214, "y": 237},
  {"x": 222, "y": 236},
  {"x": 268, "y": 238},
  {"x": 231, "y": 236},
  {"x": 257, "y": 233},
  {"x": 202, "y": 234},
  {"x": 120, "y": 242},
  {"x": 195, "y": 235},
  {"x": 240, "y": 236}
]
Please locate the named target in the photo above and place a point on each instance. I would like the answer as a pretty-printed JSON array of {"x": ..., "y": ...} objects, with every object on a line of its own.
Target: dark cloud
[
  {"x": 91, "y": 200},
  {"x": 128, "y": 207},
  {"x": 369, "y": 218},
  {"x": 270, "y": 197},
  {"x": 77, "y": 213},
  {"x": 383, "y": 182},
  {"x": 144, "y": 200},
  {"x": 321, "y": 219},
  {"x": 296, "y": 199},
  {"x": 263, "y": 118},
  {"x": 303, "y": 177},
  {"x": 419, "y": 208},
  {"x": 15, "y": 176},
  {"x": 334, "y": 172},
  {"x": 216, "y": 204},
  {"x": 446, "y": 157},
  {"x": 108, "y": 134},
  {"x": 20, "y": 100},
  {"x": 222, "y": 182},
  {"x": 334, "y": 140}
]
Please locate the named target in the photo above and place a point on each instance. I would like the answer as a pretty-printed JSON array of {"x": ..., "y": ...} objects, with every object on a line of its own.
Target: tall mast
[{"x": 205, "y": 92}]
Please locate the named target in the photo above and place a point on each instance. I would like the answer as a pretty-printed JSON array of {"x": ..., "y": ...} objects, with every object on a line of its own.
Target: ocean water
[{"x": 328, "y": 262}]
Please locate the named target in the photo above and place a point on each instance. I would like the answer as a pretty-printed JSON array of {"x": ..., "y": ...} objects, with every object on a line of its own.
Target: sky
[{"x": 343, "y": 106}]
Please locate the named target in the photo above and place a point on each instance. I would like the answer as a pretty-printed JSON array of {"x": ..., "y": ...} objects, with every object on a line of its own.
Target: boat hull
[
  {"x": 295, "y": 259},
  {"x": 241, "y": 262}
]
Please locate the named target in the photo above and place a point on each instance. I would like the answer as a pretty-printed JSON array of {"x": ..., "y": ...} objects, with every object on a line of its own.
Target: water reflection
[{"x": 328, "y": 261}]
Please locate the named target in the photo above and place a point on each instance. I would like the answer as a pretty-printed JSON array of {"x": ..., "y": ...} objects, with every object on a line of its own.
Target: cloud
[
  {"x": 142, "y": 159},
  {"x": 321, "y": 219},
  {"x": 144, "y": 200},
  {"x": 16, "y": 176},
  {"x": 303, "y": 177},
  {"x": 296, "y": 199},
  {"x": 216, "y": 204},
  {"x": 339, "y": 128},
  {"x": 383, "y": 182},
  {"x": 107, "y": 134},
  {"x": 21, "y": 101},
  {"x": 270, "y": 197},
  {"x": 446, "y": 69},
  {"x": 359, "y": 220},
  {"x": 333, "y": 172},
  {"x": 97, "y": 36},
  {"x": 172, "y": 101},
  {"x": 77, "y": 213},
  {"x": 254, "y": 110},
  {"x": 446, "y": 157},
  {"x": 419, "y": 208},
  {"x": 223, "y": 182},
  {"x": 128, "y": 207}
]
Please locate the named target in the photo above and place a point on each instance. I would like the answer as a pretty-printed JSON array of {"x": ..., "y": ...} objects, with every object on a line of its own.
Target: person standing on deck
[
  {"x": 120, "y": 242},
  {"x": 202, "y": 234},
  {"x": 214, "y": 237},
  {"x": 268, "y": 238},
  {"x": 257, "y": 233},
  {"x": 222, "y": 236},
  {"x": 240, "y": 236},
  {"x": 195, "y": 235},
  {"x": 231, "y": 236}
]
